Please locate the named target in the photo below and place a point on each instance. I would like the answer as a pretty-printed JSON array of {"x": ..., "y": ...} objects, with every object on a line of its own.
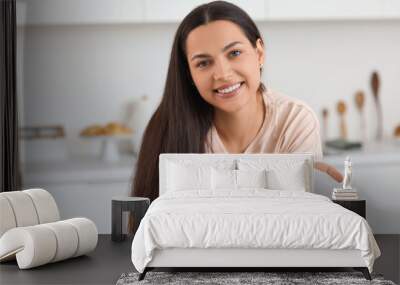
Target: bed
[{"x": 247, "y": 211}]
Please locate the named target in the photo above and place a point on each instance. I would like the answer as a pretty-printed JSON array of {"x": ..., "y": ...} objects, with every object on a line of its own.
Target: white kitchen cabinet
[
  {"x": 255, "y": 8},
  {"x": 282, "y": 10},
  {"x": 376, "y": 176},
  {"x": 156, "y": 11},
  {"x": 83, "y": 187},
  {"x": 58, "y": 12},
  {"x": 89, "y": 200},
  {"x": 324, "y": 10},
  {"x": 176, "y": 10}
]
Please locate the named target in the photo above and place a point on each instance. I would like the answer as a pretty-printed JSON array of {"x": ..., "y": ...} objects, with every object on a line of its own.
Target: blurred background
[{"x": 91, "y": 72}]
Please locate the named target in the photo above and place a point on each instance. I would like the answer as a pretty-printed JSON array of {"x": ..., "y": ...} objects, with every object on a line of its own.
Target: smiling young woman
[
  {"x": 226, "y": 70},
  {"x": 214, "y": 100}
]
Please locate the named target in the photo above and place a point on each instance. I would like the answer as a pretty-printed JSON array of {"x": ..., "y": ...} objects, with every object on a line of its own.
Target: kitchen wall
[{"x": 77, "y": 75}]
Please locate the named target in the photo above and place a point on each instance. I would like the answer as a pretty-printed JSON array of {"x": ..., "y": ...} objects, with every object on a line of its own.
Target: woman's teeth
[{"x": 229, "y": 89}]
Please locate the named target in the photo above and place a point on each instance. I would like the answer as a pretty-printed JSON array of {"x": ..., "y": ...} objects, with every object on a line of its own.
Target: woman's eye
[
  {"x": 202, "y": 64},
  {"x": 235, "y": 53}
]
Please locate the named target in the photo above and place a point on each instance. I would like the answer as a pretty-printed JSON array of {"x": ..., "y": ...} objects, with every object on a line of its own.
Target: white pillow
[
  {"x": 236, "y": 179},
  {"x": 282, "y": 174},
  {"x": 223, "y": 179},
  {"x": 251, "y": 178},
  {"x": 293, "y": 179},
  {"x": 187, "y": 177}
]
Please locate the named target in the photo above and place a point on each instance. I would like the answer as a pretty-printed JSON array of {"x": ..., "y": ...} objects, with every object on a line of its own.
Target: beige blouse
[{"x": 289, "y": 126}]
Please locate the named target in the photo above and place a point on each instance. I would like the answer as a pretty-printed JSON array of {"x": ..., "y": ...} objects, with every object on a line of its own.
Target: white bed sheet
[{"x": 250, "y": 218}]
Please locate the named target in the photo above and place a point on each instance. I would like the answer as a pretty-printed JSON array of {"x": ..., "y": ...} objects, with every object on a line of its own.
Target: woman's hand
[{"x": 330, "y": 170}]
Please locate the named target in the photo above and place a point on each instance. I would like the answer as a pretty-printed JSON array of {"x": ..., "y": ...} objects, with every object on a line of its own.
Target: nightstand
[
  {"x": 357, "y": 206},
  {"x": 135, "y": 205}
]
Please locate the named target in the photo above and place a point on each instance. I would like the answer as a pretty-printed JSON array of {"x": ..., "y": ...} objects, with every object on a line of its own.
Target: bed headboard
[{"x": 273, "y": 160}]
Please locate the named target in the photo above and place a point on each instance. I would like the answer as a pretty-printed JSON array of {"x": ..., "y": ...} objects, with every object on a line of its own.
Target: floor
[
  {"x": 110, "y": 260},
  {"x": 102, "y": 266}
]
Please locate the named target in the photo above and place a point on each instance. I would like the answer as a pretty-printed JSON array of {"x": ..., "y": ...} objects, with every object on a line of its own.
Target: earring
[{"x": 261, "y": 65}]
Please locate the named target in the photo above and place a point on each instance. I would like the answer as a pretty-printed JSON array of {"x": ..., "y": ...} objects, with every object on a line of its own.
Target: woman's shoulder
[
  {"x": 279, "y": 100},
  {"x": 295, "y": 124},
  {"x": 287, "y": 106}
]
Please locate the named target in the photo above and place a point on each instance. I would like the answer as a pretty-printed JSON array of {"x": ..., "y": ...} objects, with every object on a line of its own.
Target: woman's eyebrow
[{"x": 228, "y": 46}]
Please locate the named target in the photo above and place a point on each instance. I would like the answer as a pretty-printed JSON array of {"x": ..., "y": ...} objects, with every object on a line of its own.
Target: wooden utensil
[
  {"x": 325, "y": 114},
  {"x": 360, "y": 102},
  {"x": 375, "y": 84},
  {"x": 341, "y": 109},
  {"x": 396, "y": 132}
]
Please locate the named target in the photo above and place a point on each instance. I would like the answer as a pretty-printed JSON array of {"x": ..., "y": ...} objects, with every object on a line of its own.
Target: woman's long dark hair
[{"x": 182, "y": 120}]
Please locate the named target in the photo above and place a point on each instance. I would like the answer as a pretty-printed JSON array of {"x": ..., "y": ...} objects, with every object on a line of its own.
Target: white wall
[
  {"x": 324, "y": 62},
  {"x": 78, "y": 75}
]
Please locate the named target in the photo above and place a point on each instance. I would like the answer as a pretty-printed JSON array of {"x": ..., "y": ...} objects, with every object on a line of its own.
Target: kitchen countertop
[
  {"x": 88, "y": 169},
  {"x": 372, "y": 153}
]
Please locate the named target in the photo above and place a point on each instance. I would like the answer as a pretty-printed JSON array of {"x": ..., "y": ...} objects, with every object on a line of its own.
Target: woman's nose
[{"x": 222, "y": 70}]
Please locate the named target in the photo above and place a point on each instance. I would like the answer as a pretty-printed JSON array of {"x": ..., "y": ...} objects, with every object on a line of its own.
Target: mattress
[{"x": 250, "y": 219}]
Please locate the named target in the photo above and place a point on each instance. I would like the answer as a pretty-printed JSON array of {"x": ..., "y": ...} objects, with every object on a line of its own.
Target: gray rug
[{"x": 269, "y": 278}]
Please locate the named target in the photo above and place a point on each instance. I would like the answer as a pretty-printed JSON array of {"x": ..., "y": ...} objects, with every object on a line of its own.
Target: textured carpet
[{"x": 228, "y": 278}]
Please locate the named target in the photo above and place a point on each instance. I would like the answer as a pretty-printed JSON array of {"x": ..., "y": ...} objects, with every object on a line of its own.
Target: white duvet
[{"x": 251, "y": 218}]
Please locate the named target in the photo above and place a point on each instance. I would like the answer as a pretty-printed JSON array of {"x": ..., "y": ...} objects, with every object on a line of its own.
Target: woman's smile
[{"x": 228, "y": 91}]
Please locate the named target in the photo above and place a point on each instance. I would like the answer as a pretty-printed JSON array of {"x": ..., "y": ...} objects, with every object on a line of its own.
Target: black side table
[
  {"x": 136, "y": 205},
  {"x": 357, "y": 206}
]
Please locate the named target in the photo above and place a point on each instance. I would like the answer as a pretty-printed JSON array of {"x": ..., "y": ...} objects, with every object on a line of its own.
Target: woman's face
[{"x": 225, "y": 67}]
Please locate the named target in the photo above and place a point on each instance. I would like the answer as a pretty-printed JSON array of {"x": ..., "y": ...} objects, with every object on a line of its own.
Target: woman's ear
[{"x": 260, "y": 51}]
